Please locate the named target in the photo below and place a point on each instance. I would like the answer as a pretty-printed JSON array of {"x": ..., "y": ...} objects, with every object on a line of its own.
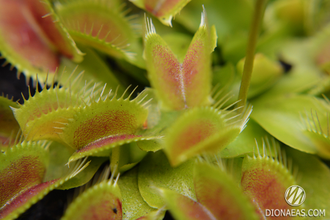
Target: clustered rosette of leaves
[{"x": 201, "y": 138}]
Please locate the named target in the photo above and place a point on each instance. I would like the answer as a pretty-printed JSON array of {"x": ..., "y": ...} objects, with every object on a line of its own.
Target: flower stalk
[{"x": 251, "y": 46}]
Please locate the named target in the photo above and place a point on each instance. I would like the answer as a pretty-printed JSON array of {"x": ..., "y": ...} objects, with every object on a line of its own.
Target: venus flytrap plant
[
  {"x": 23, "y": 169},
  {"x": 105, "y": 124},
  {"x": 263, "y": 170},
  {"x": 58, "y": 166},
  {"x": 187, "y": 79},
  {"x": 187, "y": 85},
  {"x": 154, "y": 139},
  {"x": 203, "y": 130},
  {"x": 222, "y": 184},
  {"x": 209, "y": 182},
  {"x": 103, "y": 200},
  {"x": 42, "y": 113},
  {"x": 258, "y": 172},
  {"x": 43, "y": 38}
]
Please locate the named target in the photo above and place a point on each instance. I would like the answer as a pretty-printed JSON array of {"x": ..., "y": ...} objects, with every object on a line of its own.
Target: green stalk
[
  {"x": 114, "y": 160},
  {"x": 251, "y": 46}
]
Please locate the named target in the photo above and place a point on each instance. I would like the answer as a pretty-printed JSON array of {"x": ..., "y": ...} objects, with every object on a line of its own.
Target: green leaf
[
  {"x": 283, "y": 117},
  {"x": 134, "y": 207},
  {"x": 102, "y": 201},
  {"x": 8, "y": 124},
  {"x": 31, "y": 40},
  {"x": 58, "y": 166},
  {"x": 59, "y": 155},
  {"x": 202, "y": 130},
  {"x": 316, "y": 127},
  {"x": 125, "y": 157},
  {"x": 156, "y": 172},
  {"x": 163, "y": 10},
  {"x": 181, "y": 85},
  {"x": 150, "y": 145}
]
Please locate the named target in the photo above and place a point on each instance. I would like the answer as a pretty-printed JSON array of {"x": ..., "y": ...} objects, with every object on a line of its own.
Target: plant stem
[
  {"x": 251, "y": 46},
  {"x": 114, "y": 160}
]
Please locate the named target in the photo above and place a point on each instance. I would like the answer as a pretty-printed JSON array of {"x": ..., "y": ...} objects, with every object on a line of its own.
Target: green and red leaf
[
  {"x": 112, "y": 120},
  {"x": 265, "y": 179},
  {"x": 181, "y": 85},
  {"x": 22, "y": 166},
  {"x": 24, "y": 200},
  {"x": 102, "y": 201},
  {"x": 22, "y": 177},
  {"x": 40, "y": 114},
  {"x": 31, "y": 40},
  {"x": 105, "y": 124},
  {"x": 202, "y": 130}
]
